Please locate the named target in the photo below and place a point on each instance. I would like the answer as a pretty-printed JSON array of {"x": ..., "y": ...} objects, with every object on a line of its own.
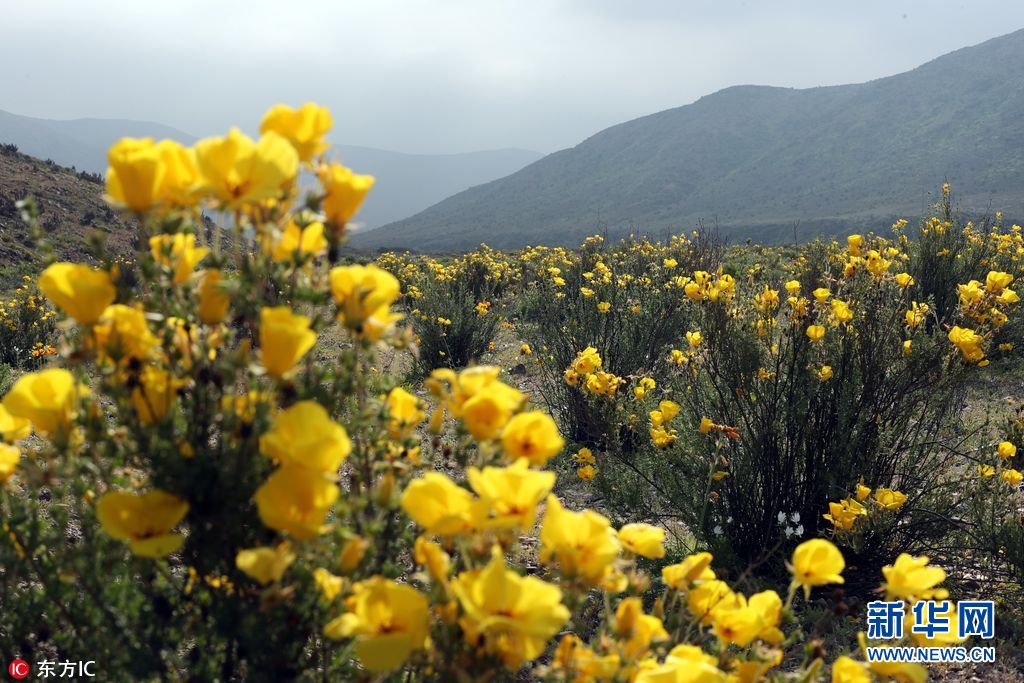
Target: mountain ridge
[{"x": 754, "y": 155}]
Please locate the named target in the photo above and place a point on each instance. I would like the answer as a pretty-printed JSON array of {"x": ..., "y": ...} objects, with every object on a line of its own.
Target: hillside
[
  {"x": 406, "y": 183},
  {"x": 760, "y": 161},
  {"x": 70, "y": 205}
]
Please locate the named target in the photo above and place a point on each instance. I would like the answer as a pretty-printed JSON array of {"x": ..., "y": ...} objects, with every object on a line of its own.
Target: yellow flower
[
  {"x": 511, "y": 493},
  {"x": 996, "y": 282},
  {"x": 296, "y": 500},
  {"x": 877, "y": 265},
  {"x": 364, "y": 295},
  {"x": 136, "y": 173},
  {"x": 327, "y": 583},
  {"x": 513, "y": 614},
  {"x": 9, "y": 458},
  {"x": 532, "y": 435},
  {"x": 304, "y": 127},
  {"x": 265, "y": 564},
  {"x": 768, "y": 606},
  {"x": 825, "y": 373},
  {"x": 285, "y": 337},
  {"x": 643, "y": 539},
  {"x": 235, "y": 170},
  {"x": 486, "y": 413},
  {"x": 156, "y": 393},
  {"x": 587, "y": 472},
  {"x": 438, "y": 505},
  {"x": 78, "y": 290},
  {"x": 890, "y": 499},
  {"x": 705, "y": 426},
  {"x": 971, "y": 294},
  {"x": 572, "y": 655},
  {"x": 586, "y": 361},
  {"x": 344, "y": 192},
  {"x": 666, "y": 412},
  {"x": 855, "y": 242},
  {"x": 737, "y": 622},
  {"x": 300, "y": 241},
  {"x": 304, "y": 435},
  {"x": 683, "y": 664},
  {"x": 145, "y": 520},
  {"x": 841, "y": 311},
  {"x": 821, "y": 295},
  {"x": 910, "y": 578},
  {"x": 846, "y": 670},
  {"x": 793, "y": 287},
  {"x": 863, "y": 491},
  {"x": 767, "y": 301},
  {"x": 816, "y": 563},
  {"x": 434, "y": 558},
  {"x": 692, "y": 570},
  {"x": 582, "y": 543},
  {"x": 1008, "y": 297},
  {"x": 904, "y": 280},
  {"x": 405, "y": 412},
  {"x": 584, "y": 456},
  {"x": 123, "y": 332},
  {"x": 13, "y": 428},
  {"x": 637, "y": 629},
  {"x": 180, "y": 173},
  {"x": 694, "y": 338},
  {"x": 389, "y": 621},
  {"x": 1012, "y": 477},
  {"x": 845, "y": 514},
  {"x": 707, "y": 597},
  {"x": 352, "y": 554},
  {"x": 213, "y": 299},
  {"x": 815, "y": 333},
  {"x": 179, "y": 253},
  {"x": 968, "y": 342},
  {"x": 986, "y": 471},
  {"x": 47, "y": 399},
  {"x": 1006, "y": 450}
]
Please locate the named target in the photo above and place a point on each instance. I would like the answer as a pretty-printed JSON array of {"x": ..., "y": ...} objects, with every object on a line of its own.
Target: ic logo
[{"x": 18, "y": 669}]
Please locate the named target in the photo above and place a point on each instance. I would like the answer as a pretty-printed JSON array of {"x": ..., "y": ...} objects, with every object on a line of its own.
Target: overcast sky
[{"x": 455, "y": 75}]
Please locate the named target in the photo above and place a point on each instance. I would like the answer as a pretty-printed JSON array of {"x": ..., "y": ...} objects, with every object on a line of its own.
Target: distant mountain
[
  {"x": 764, "y": 162},
  {"x": 406, "y": 183},
  {"x": 81, "y": 143}
]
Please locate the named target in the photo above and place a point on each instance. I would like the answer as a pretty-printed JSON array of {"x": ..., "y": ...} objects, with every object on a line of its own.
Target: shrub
[
  {"x": 27, "y": 330},
  {"x": 624, "y": 300},
  {"x": 453, "y": 318},
  {"x": 782, "y": 401}
]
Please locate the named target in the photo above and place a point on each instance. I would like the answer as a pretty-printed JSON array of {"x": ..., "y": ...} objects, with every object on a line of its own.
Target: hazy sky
[{"x": 455, "y": 75}]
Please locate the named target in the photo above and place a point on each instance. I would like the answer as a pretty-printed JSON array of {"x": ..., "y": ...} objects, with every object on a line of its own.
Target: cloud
[{"x": 456, "y": 75}]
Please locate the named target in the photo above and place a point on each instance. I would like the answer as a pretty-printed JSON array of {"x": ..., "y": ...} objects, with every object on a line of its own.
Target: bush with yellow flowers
[
  {"x": 785, "y": 390},
  {"x": 993, "y": 537},
  {"x": 452, "y": 308},
  {"x": 27, "y": 327},
  {"x": 625, "y": 301}
]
